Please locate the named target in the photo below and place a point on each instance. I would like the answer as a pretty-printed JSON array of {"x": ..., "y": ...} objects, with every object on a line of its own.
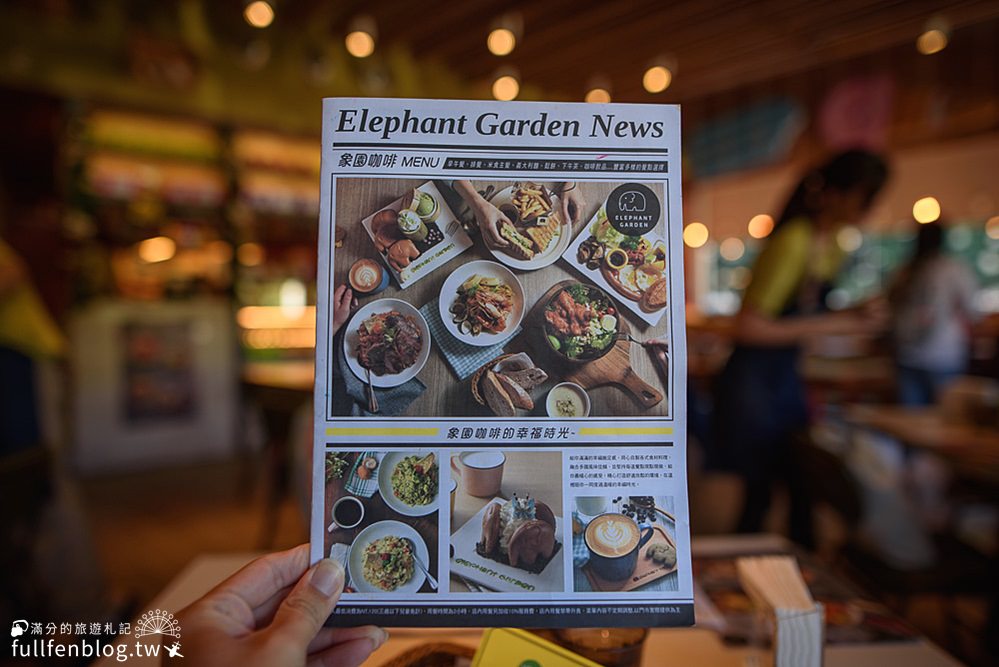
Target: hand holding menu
[{"x": 497, "y": 438}]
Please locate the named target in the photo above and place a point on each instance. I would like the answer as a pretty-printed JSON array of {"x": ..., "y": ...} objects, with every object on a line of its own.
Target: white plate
[
  {"x": 449, "y": 292},
  {"x": 542, "y": 259},
  {"x": 351, "y": 338},
  {"x": 385, "y": 471},
  {"x": 376, "y": 531},
  {"x": 496, "y": 575}
]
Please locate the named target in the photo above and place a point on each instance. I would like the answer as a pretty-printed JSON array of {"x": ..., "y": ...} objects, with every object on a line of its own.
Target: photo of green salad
[
  {"x": 414, "y": 480},
  {"x": 388, "y": 562}
]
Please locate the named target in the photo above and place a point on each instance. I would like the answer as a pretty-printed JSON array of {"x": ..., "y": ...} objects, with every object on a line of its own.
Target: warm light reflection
[
  {"x": 731, "y": 249},
  {"x": 926, "y": 210},
  {"x": 279, "y": 339},
  {"x": 501, "y": 41},
  {"x": 932, "y": 41},
  {"x": 259, "y": 14},
  {"x": 598, "y": 96},
  {"x": 219, "y": 251},
  {"x": 760, "y": 226},
  {"x": 992, "y": 228},
  {"x": 506, "y": 88},
  {"x": 274, "y": 317},
  {"x": 250, "y": 254},
  {"x": 695, "y": 234},
  {"x": 157, "y": 249},
  {"x": 293, "y": 297},
  {"x": 360, "y": 44},
  {"x": 849, "y": 238},
  {"x": 657, "y": 79}
]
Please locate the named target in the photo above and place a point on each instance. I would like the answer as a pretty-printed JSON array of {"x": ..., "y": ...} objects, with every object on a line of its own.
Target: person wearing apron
[{"x": 760, "y": 401}]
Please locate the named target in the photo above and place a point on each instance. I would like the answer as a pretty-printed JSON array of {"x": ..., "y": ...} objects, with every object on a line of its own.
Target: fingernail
[
  {"x": 379, "y": 640},
  {"x": 327, "y": 578}
]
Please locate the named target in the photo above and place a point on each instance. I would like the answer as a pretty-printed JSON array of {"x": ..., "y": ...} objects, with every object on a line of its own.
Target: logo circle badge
[{"x": 633, "y": 209}]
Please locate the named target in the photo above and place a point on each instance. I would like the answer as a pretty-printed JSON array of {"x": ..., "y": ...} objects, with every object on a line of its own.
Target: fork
[{"x": 430, "y": 577}]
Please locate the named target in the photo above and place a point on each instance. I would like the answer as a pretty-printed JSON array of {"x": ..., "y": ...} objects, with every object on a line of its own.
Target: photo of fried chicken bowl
[{"x": 580, "y": 323}]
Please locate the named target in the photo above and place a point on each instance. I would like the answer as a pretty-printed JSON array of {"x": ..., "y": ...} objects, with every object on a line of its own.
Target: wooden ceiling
[{"x": 717, "y": 45}]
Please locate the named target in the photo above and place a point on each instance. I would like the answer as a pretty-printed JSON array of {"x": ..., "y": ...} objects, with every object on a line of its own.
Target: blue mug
[{"x": 614, "y": 542}]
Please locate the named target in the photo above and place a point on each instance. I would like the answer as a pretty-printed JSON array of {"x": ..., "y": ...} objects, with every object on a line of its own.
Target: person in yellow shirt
[
  {"x": 760, "y": 402},
  {"x": 27, "y": 335}
]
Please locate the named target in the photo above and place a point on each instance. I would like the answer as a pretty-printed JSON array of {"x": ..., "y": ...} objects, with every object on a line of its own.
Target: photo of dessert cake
[{"x": 519, "y": 533}]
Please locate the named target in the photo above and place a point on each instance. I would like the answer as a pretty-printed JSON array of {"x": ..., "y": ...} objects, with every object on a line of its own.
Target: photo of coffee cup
[
  {"x": 614, "y": 541},
  {"x": 481, "y": 473},
  {"x": 367, "y": 276},
  {"x": 454, "y": 489},
  {"x": 348, "y": 512}
]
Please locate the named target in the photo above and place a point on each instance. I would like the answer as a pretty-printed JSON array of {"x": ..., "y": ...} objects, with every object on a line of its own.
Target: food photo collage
[
  {"x": 510, "y": 299},
  {"x": 489, "y": 521}
]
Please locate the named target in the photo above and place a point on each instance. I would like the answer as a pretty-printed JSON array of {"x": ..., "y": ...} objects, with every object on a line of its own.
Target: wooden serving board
[
  {"x": 645, "y": 572},
  {"x": 612, "y": 368}
]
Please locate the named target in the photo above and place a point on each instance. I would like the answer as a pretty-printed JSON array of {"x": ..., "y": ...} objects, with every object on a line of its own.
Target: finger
[
  {"x": 348, "y": 654},
  {"x": 302, "y": 614},
  {"x": 338, "y": 292},
  {"x": 331, "y": 636},
  {"x": 260, "y": 580},
  {"x": 566, "y": 219},
  {"x": 354, "y": 303},
  {"x": 264, "y": 613},
  {"x": 493, "y": 232}
]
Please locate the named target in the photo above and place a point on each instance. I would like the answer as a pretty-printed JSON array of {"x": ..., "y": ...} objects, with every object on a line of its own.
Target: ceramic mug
[
  {"x": 348, "y": 512},
  {"x": 614, "y": 542},
  {"x": 481, "y": 473}
]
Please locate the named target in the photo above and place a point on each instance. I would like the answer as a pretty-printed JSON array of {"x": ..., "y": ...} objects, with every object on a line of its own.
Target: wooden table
[
  {"x": 537, "y": 474},
  {"x": 679, "y": 646},
  {"x": 376, "y": 509},
  {"x": 446, "y": 394},
  {"x": 973, "y": 451}
]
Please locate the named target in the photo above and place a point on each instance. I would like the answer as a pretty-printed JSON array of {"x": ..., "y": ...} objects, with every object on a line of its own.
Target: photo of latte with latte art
[
  {"x": 624, "y": 543},
  {"x": 612, "y": 535}
]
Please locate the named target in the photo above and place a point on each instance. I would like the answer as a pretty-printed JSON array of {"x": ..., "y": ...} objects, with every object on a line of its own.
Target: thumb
[{"x": 305, "y": 610}]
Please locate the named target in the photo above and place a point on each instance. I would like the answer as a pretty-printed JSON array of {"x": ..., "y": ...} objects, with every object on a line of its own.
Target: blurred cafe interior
[{"x": 158, "y": 224}]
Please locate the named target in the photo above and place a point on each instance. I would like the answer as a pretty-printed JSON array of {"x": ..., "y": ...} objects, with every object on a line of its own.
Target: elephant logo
[{"x": 631, "y": 201}]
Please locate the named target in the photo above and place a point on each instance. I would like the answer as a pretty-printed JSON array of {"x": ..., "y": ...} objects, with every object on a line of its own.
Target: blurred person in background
[
  {"x": 760, "y": 401},
  {"x": 932, "y": 300}
]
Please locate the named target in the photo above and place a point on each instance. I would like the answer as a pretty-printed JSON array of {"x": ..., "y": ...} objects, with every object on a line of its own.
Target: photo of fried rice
[{"x": 389, "y": 562}]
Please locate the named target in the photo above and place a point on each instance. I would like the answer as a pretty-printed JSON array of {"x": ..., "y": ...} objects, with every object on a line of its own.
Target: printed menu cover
[{"x": 500, "y": 399}]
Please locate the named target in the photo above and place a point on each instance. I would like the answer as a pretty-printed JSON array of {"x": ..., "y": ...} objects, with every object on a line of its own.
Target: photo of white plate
[
  {"x": 376, "y": 531},
  {"x": 385, "y": 471},
  {"x": 449, "y": 293},
  {"x": 542, "y": 259},
  {"x": 351, "y": 338}
]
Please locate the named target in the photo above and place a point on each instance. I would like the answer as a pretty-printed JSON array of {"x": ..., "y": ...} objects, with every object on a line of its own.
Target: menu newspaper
[{"x": 500, "y": 389}]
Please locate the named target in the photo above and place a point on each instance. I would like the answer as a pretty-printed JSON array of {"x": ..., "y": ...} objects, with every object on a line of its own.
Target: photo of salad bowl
[{"x": 580, "y": 323}]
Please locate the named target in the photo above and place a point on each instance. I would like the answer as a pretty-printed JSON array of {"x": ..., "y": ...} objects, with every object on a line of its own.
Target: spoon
[
  {"x": 423, "y": 568},
  {"x": 372, "y": 400}
]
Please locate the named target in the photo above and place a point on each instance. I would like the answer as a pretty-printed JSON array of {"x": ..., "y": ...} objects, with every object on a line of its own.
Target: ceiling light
[
  {"x": 760, "y": 226},
  {"x": 926, "y": 210},
  {"x": 157, "y": 249},
  {"x": 657, "y": 79},
  {"x": 932, "y": 41},
  {"x": 501, "y": 41},
  {"x": 695, "y": 234},
  {"x": 598, "y": 96},
  {"x": 849, "y": 238},
  {"x": 259, "y": 14},
  {"x": 732, "y": 249},
  {"x": 992, "y": 228},
  {"x": 506, "y": 88},
  {"x": 360, "y": 44}
]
